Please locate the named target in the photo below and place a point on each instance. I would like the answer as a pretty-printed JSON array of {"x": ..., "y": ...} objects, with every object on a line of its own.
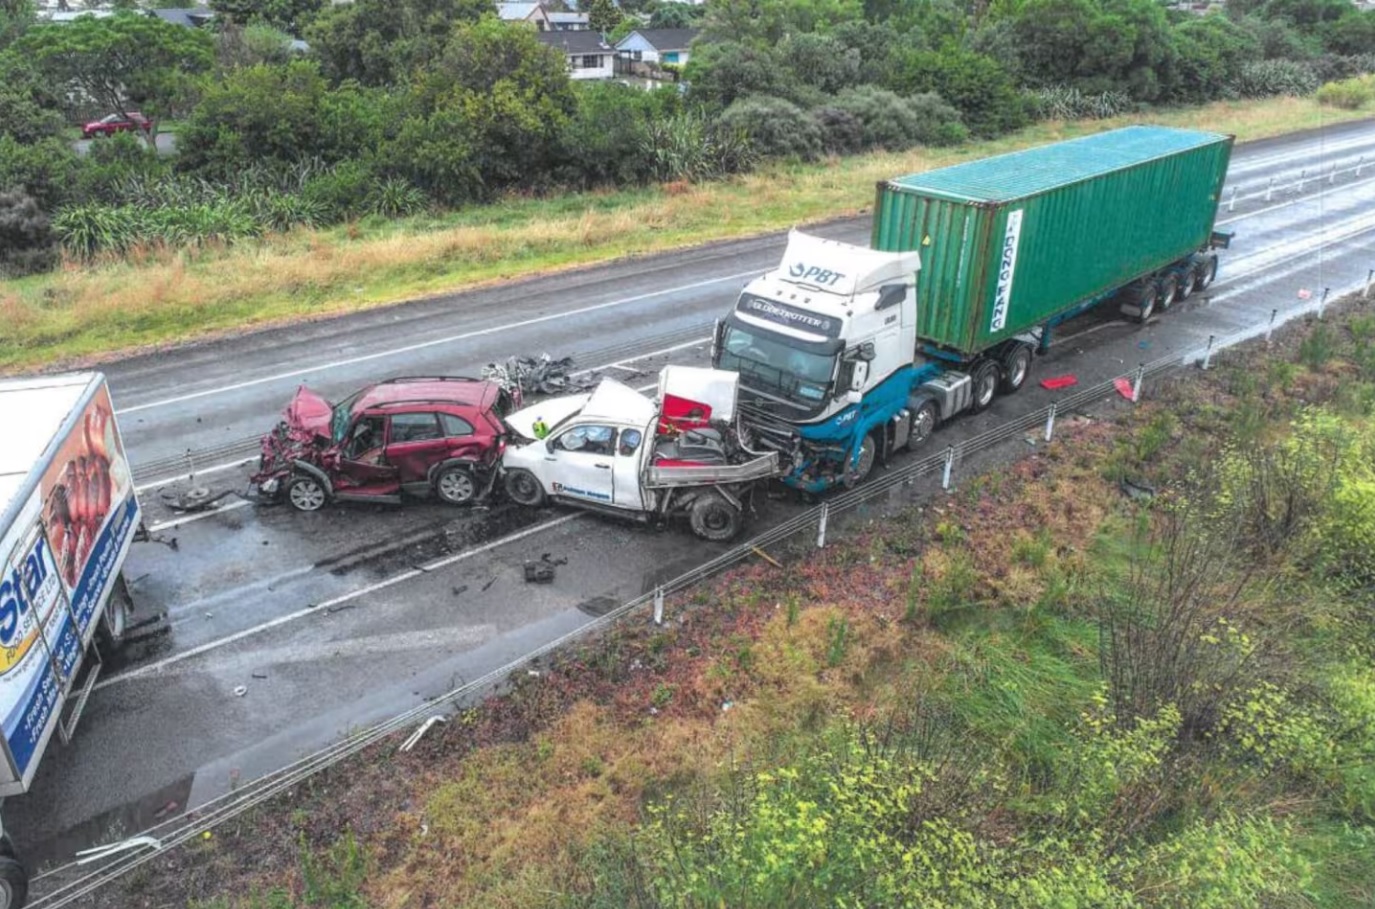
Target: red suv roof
[{"x": 435, "y": 389}]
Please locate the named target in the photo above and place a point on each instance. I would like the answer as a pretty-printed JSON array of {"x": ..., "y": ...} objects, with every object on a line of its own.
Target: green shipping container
[{"x": 1010, "y": 242}]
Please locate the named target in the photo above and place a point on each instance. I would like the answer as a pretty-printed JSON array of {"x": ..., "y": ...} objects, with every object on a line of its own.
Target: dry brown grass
[{"x": 85, "y": 313}]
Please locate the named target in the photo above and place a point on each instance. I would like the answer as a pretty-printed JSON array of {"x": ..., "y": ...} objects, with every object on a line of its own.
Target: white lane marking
[
  {"x": 198, "y": 516},
  {"x": 215, "y": 468},
  {"x": 323, "y": 608},
  {"x": 435, "y": 342},
  {"x": 619, "y": 364}
]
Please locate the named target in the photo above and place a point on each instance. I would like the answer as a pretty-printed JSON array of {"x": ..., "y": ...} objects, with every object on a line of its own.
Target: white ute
[{"x": 620, "y": 452}]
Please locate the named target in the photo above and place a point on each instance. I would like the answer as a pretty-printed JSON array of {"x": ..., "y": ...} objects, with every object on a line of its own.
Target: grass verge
[{"x": 83, "y": 313}]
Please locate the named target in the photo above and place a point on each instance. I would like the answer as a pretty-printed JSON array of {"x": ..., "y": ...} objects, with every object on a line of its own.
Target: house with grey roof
[
  {"x": 533, "y": 13},
  {"x": 589, "y": 57},
  {"x": 657, "y": 45}
]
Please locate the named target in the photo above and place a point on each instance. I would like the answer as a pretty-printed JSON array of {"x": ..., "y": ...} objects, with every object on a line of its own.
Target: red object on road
[
  {"x": 1055, "y": 383},
  {"x": 1124, "y": 387}
]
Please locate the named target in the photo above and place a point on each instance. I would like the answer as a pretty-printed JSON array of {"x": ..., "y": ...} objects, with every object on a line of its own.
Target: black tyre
[
  {"x": 306, "y": 493},
  {"x": 1143, "y": 297},
  {"x": 1016, "y": 368},
  {"x": 455, "y": 485},
  {"x": 924, "y": 422},
  {"x": 1188, "y": 283},
  {"x": 868, "y": 454},
  {"x": 1169, "y": 292},
  {"x": 986, "y": 377},
  {"x": 523, "y": 488},
  {"x": 1207, "y": 272},
  {"x": 115, "y": 619},
  {"x": 14, "y": 883},
  {"x": 715, "y": 519}
]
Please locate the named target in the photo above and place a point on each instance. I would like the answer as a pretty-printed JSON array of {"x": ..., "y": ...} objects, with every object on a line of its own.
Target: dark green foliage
[
  {"x": 842, "y": 133},
  {"x": 1060, "y": 103},
  {"x": 776, "y": 128},
  {"x": 239, "y": 46},
  {"x": 43, "y": 170},
  {"x": 895, "y": 123},
  {"x": 720, "y": 72},
  {"x": 128, "y": 61},
  {"x": 603, "y": 16},
  {"x": 675, "y": 15},
  {"x": 27, "y": 113},
  {"x": 27, "y": 245},
  {"x": 381, "y": 42},
  {"x": 977, "y": 86},
  {"x": 764, "y": 23},
  {"x": 1350, "y": 35},
  {"x": 342, "y": 191},
  {"x": 880, "y": 47},
  {"x": 603, "y": 142},
  {"x": 821, "y": 61},
  {"x": 111, "y": 165},
  {"x": 1265, "y": 78},
  {"x": 1279, "y": 39},
  {"x": 686, "y": 147},
  {"x": 288, "y": 15},
  {"x": 1210, "y": 52}
]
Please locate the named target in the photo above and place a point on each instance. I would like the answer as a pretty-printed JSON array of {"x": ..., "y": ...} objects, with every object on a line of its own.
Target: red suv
[
  {"x": 117, "y": 123},
  {"x": 439, "y": 434}
]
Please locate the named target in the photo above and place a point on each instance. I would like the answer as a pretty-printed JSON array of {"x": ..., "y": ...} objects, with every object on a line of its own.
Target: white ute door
[
  {"x": 583, "y": 468},
  {"x": 626, "y": 469}
]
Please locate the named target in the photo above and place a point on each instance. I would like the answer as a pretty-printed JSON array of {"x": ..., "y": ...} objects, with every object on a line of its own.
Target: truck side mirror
[
  {"x": 866, "y": 352},
  {"x": 549, "y": 445}
]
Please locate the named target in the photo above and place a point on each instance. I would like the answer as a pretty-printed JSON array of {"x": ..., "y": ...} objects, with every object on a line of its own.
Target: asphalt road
[
  {"x": 340, "y": 618},
  {"x": 165, "y": 143}
]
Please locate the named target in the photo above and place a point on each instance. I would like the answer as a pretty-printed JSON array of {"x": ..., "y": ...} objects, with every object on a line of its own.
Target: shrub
[
  {"x": 774, "y": 127},
  {"x": 979, "y": 87},
  {"x": 842, "y": 133},
  {"x": 1348, "y": 94},
  {"x": 394, "y": 197},
  {"x": 27, "y": 245},
  {"x": 44, "y": 170},
  {"x": 897, "y": 123},
  {"x": 341, "y": 192},
  {"x": 685, "y": 147},
  {"x": 1061, "y": 102},
  {"x": 1266, "y": 78}
]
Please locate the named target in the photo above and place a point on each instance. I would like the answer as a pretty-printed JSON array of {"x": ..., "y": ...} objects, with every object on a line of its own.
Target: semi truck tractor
[
  {"x": 68, "y": 515},
  {"x": 848, "y": 354}
]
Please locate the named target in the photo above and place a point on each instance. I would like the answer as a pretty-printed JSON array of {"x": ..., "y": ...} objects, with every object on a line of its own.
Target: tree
[
  {"x": 27, "y": 111},
  {"x": 977, "y": 86},
  {"x": 15, "y": 17},
  {"x": 603, "y": 16},
  {"x": 27, "y": 244},
  {"x": 121, "y": 62},
  {"x": 1210, "y": 52},
  {"x": 380, "y": 42},
  {"x": 1351, "y": 35},
  {"x": 291, "y": 16},
  {"x": 674, "y": 15},
  {"x": 721, "y": 71},
  {"x": 238, "y": 46},
  {"x": 763, "y": 23},
  {"x": 821, "y": 61}
]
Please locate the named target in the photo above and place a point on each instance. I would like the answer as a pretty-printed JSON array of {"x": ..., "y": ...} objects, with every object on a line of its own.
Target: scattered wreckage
[
  {"x": 620, "y": 452},
  {"x": 440, "y": 435}
]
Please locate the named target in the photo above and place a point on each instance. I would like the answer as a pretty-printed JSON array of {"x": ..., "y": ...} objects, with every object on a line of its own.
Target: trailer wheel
[
  {"x": 1188, "y": 282},
  {"x": 14, "y": 883},
  {"x": 1142, "y": 298},
  {"x": 114, "y": 620},
  {"x": 1169, "y": 292},
  {"x": 1016, "y": 367},
  {"x": 455, "y": 485},
  {"x": 523, "y": 488},
  {"x": 986, "y": 379},
  {"x": 1207, "y": 271},
  {"x": 923, "y": 423},
  {"x": 305, "y": 493},
  {"x": 715, "y": 519}
]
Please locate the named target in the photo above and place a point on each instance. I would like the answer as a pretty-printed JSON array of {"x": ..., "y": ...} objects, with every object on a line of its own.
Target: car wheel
[
  {"x": 1016, "y": 367},
  {"x": 523, "y": 488},
  {"x": 713, "y": 518},
  {"x": 456, "y": 485},
  {"x": 306, "y": 493},
  {"x": 986, "y": 381},
  {"x": 923, "y": 423}
]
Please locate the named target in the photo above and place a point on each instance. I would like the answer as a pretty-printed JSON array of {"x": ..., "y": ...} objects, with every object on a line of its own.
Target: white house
[
  {"x": 589, "y": 57},
  {"x": 657, "y": 45},
  {"x": 524, "y": 12}
]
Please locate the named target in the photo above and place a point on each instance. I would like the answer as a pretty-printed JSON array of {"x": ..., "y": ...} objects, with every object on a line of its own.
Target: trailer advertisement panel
[{"x": 61, "y": 559}]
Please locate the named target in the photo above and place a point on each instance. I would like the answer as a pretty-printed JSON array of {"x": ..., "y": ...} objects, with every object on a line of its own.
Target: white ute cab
[{"x": 620, "y": 452}]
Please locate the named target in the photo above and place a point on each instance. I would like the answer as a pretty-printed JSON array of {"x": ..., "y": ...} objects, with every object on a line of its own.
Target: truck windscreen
[{"x": 797, "y": 372}]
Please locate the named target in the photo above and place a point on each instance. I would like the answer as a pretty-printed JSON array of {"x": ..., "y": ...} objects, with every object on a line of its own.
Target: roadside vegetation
[
  {"x": 420, "y": 144},
  {"x": 1037, "y": 691}
]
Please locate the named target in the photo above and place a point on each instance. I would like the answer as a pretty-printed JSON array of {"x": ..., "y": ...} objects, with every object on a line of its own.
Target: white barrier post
[
  {"x": 1136, "y": 383},
  {"x": 1232, "y": 202},
  {"x": 949, "y": 464},
  {"x": 1270, "y": 329},
  {"x": 821, "y": 525},
  {"x": 1208, "y": 354},
  {"x": 1303, "y": 174},
  {"x": 1369, "y": 277},
  {"x": 1332, "y": 174},
  {"x": 658, "y": 605},
  {"x": 1322, "y": 301},
  {"x": 1360, "y": 163},
  {"x": 1050, "y": 422},
  {"x": 1270, "y": 189}
]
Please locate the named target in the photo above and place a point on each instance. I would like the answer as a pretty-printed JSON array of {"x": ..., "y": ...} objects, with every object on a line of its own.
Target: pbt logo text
[{"x": 813, "y": 274}]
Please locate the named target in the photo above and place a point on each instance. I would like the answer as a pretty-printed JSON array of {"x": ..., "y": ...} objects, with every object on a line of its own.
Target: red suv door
[{"x": 414, "y": 445}]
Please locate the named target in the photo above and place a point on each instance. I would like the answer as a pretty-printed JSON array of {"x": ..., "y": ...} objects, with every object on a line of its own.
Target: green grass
[{"x": 85, "y": 312}]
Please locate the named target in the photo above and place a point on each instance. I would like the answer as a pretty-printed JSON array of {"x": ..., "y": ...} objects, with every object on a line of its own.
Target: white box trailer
[{"x": 68, "y": 514}]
